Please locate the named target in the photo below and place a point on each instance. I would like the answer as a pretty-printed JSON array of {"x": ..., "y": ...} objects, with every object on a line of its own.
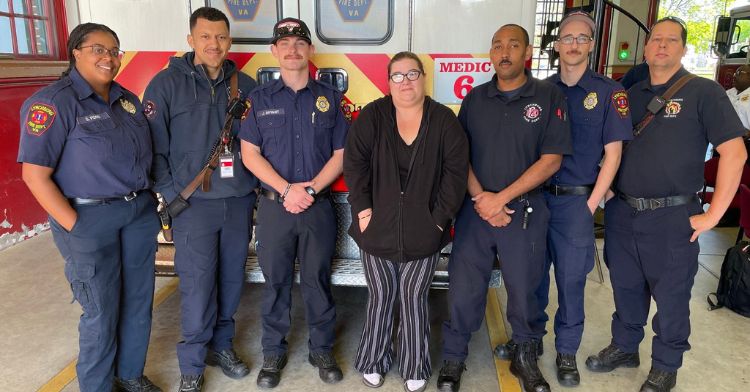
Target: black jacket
[{"x": 403, "y": 226}]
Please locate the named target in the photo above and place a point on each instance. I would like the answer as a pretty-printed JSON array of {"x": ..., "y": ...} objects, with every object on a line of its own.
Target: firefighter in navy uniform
[
  {"x": 653, "y": 222},
  {"x": 186, "y": 105},
  {"x": 293, "y": 141},
  {"x": 518, "y": 132},
  {"x": 599, "y": 122},
  {"x": 86, "y": 153}
]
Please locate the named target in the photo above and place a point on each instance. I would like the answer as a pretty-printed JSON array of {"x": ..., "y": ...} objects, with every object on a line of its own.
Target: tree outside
[{"x": 700, "y": 18}]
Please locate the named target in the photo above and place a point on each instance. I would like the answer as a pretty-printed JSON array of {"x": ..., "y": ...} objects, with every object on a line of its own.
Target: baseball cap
[
  {"x": 579, "y": 16},
  {"x": 291, "y": 27}
]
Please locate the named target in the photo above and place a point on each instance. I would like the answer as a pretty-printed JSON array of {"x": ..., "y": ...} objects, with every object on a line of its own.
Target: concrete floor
[{"x": 39, "y": 334}]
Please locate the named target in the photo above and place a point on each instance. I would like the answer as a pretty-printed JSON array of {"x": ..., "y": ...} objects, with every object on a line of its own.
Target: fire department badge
[
  {"x": 127, "y": 105},
  {"x": 40, "y": 118},
  {"x": 531, "y": 112},
  {"x": 149, "y": 109},
  {"x": 620, "y": 101},
  {"x": 590, "y": 101},
  {"x": 346, "y": 110},
  {"x": 248, "y": 105},
  {"x": 322, "y": 104},
  {"x": 672, "y": 108}
]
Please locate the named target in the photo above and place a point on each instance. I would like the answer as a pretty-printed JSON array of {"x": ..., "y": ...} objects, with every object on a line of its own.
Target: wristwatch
[{"x": 310, "y": 191}]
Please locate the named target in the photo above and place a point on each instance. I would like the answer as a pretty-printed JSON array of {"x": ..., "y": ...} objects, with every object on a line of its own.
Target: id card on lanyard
[{"x": 226, "y": 165}]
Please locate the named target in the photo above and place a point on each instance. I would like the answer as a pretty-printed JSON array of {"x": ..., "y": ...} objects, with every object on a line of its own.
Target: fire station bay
[{"x": 346, "y": 195}]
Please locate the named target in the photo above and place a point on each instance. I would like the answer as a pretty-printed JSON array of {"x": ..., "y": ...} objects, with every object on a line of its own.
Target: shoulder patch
[
  {"x": 620, "y": 101},
  {"x": 744, "y": 98},
  {"x": 149, "y": 109},
  {"x": 248, "y": 105},
  {"x": 40, "y": 118},
  {"x": 346, "y": 110}
]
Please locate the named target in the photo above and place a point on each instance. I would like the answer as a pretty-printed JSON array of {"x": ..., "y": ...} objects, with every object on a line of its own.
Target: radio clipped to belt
[{"x": 221, "y": 154}]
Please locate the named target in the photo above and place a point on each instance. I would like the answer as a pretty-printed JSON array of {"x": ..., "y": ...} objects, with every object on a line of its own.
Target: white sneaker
[
  {"x": 373, "y": 380},
  {"x": 415, "y": 385}
]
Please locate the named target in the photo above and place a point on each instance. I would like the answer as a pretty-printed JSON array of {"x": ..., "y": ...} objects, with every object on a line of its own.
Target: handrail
[{"x": 628, "y": 14}]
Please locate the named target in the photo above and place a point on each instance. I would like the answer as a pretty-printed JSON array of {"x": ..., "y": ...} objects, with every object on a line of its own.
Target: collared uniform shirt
[
  {"x": 507, "y": 135},
  {"x": 97, "y": 149},
  {"x": 297, "y": 132},
  {"x": 599, "y": 114},
  {"x": 741, "y": 104},
  {"x": 667, "y": 158}
]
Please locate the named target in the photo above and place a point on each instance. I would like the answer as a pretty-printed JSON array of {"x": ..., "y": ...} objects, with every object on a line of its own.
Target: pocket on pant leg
[{"x": 80, "y": 276}]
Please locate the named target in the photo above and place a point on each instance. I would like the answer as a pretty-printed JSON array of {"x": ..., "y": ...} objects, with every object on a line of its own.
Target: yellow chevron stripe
[{"x": 361, "y": 90}]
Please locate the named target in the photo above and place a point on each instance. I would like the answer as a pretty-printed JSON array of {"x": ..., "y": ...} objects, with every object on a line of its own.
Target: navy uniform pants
[
  {"x": 211, "y": 239},
  {"x": 570, "y": 247},
  {"x": 309, "y": 237},
  {"x": 109, "y": 262},
  {"x": 475, "y": 248},
  {"x": 649, "y": 254}
]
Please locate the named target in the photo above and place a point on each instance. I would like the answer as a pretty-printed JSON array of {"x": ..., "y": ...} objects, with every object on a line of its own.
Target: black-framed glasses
[
  {"x": 740, "y": 71},
  {"x": 101, "y": 51},
  {"x": 580, "y": 39},
  {"x": 412, "y": 75}
]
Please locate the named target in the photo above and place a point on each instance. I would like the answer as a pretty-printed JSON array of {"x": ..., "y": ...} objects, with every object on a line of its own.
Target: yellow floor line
[
  {"x": 68, "y": 374},
  {"x": 496, "y": 328}
]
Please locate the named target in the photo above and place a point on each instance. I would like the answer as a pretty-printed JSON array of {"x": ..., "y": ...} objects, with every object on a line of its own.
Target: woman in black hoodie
[{"x": 406, "y": 163}]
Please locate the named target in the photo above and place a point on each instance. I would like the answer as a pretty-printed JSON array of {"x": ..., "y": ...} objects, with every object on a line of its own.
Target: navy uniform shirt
[
  {"x": 297, "y": 132},
  {"x": 97, "y": 149},
  {"x": 599, "y": 114},
  {"x": 666, "y": 159},
  {"x": 508, "y": 135}
]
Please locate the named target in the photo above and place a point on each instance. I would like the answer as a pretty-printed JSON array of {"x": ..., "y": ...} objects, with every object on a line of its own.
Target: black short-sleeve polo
[
  {"x": 508, "y": 135},
  {"x": 666, "y": 159}
]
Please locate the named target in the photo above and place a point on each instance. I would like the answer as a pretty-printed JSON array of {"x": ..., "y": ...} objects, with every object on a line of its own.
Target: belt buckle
[
  {"x": 656, "y": 203},
  {"x": 640, "y": 204},
  {"x": 558, "y": 190},
  {"x": 130, "y": 196}
]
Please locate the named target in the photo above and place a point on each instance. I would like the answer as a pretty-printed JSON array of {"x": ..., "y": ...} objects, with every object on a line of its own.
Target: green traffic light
[{"x": 623, "y": 54}]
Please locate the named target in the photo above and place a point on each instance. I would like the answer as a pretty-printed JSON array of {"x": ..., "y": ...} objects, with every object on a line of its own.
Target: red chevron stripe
[
  {"x": 141, "y": 69},
  {"x": 374, "y": 66},
  {"x": 240, "y": 59}
]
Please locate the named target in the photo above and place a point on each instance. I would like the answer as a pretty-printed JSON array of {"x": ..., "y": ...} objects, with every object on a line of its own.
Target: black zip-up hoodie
[
  {"x": 186, "y": 112},
  {"x": 403, "y": 226}
]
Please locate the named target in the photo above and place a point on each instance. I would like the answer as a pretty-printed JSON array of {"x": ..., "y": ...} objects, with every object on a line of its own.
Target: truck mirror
[{"x": 722, "y": 37}]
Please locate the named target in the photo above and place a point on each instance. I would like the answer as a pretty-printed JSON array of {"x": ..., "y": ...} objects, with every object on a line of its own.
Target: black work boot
[
  {"x": 567, "y": 370},
  {"x": 191, "y": 383},
  {"x": 449, "y": 379},
  {"x": 611, "y": 358},
  {"x": 230, "y": 363},
  {"x": 328, "y": 370},
  {"x": 525, "y": 368},
  {"x": 270, "y": 375},
  {"x": 659, "y": 381},
  {"x": 506, "y": 351},
  {"x": 140, "y": 384}
]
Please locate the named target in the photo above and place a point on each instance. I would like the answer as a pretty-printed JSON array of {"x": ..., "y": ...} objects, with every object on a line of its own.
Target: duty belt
[
  {"x": 564, "y": 190},
  {"x": 78, "y": 201},
  {"x": 643, "y": 204},
  {"x": 275, "y": 196},
  {"x": 528, "y": 194}
]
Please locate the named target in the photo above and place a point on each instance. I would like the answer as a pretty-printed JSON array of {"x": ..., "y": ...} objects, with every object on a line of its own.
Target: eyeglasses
[
  {"x": 101, "y": 51},
  {"x": 739, "y": 72},
  {"x": 412, "y": 75},
  {"x": 581, "y": 39}
]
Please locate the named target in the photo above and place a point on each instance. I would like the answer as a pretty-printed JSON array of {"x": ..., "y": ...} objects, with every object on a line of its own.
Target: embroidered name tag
[
  {"x": 269, "y": 112},
  {"x": 92, "y": 117}
]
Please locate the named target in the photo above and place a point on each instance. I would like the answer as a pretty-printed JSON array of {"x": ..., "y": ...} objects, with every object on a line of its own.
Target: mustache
[
  {"x": 292, "y": 57},
  {"x": 505, "y": 61}
]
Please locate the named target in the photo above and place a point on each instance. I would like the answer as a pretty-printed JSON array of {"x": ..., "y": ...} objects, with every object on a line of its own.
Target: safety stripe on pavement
[
  {"x": 497, "y": 334},
  {"x": 68, "y": 374}
]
